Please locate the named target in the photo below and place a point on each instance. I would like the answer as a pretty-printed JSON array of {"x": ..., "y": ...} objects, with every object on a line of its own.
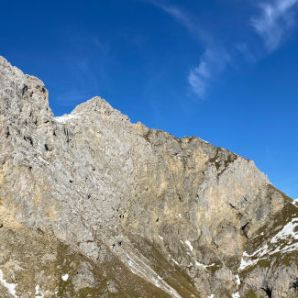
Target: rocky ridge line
[{"x": 108, "y": 208}]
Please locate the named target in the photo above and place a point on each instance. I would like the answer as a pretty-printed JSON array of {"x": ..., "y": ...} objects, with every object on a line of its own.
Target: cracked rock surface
[{"x": 92, "y": 205}]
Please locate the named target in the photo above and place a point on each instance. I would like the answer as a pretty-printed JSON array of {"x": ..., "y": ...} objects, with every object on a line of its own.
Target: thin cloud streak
[
  {"x": 213, "y": 60},
  {"x": 212, "y": 63},
  {"x": 272, "y": 24},
  {"x": 184, "y": 18},
  {"x": 274, "y": 21}
]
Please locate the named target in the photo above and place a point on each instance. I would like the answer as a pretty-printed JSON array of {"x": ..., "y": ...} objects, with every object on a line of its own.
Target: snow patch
[
  {"x": 236, "y": 295},
  {"x": 187, "y": 242},
  {"x": 287, "y": 232},
  {"x": 38, "y": 293},
  {"x": 65, "y": 118},
  {"x": 175, "y": 262},
  {"x": 211, "y": 296},
  {"x": 65, "y": 277},
  {"x": 11, "y": 287},
  {"x": 237, "y": 280},
  {"x": 140, "y": 268},
  {"x": 245, "y": 263},
  {"x": 206, "y": 142},
  {"x": 204, "y": 265}
]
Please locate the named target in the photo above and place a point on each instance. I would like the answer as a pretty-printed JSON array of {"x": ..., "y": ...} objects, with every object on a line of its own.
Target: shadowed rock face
[{"x": 92, "y": 205}]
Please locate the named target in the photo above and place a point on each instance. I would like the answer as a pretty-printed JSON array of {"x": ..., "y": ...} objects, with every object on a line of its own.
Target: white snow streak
[
  {"x": 38, "y": 293},
  {"x": 65, "y": 118},
  {"x": 204, "y": 265},
  {"x": 65, "y": 277},
  {"x": 287, "y": 232},
  {"x": 140, "y": 268},
  {"x": 187, "y": 242},
  {"x": 11, "y": 287},
  {"x": 237, "y": 280}
]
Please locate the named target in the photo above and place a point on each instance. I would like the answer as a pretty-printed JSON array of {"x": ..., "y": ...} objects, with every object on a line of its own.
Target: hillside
[{"x": 92, "y": 205}]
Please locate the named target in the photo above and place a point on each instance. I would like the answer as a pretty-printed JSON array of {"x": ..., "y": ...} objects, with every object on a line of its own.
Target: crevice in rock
[
  {"x": 268, "y": 291},
  {"x": 66, "y": 132},
  {"x": 40, "y": 231},
  {"x": 7, "y": 134},
  {"x": 24, "y": 90},
  {"x": 232, "y": 206},
  {"x": 295, "y": 284},
  {"x": 29, "y": 139},
  {"x": 244, "y": 229}
]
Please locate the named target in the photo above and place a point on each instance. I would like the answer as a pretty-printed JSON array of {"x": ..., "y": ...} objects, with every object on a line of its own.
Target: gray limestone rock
[{"x": 92, "y": 205}]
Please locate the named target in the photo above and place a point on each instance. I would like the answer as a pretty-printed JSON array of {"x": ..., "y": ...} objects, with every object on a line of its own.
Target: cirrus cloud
[
  {"x": 274, "y": 20},
  {"x": 212, "y": 63}
]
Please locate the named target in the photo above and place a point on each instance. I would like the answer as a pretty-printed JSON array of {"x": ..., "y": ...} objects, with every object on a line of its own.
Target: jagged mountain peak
[
  {"x": 93, "y": 108},
  {"x": 95, "y": 104},
  {"x": 108, "y": 208}
]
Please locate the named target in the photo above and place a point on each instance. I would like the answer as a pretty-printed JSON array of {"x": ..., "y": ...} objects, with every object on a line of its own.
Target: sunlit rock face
[{"x": 92, "y": 205}]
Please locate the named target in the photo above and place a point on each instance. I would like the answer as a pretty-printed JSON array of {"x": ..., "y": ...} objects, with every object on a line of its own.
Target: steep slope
[{"x": 92, "y": 205}]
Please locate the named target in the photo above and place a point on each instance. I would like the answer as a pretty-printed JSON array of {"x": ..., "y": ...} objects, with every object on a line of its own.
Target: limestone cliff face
[{"x": 92, "y": 205}]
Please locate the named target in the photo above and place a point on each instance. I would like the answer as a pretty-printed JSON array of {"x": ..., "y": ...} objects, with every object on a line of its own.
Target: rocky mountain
[{"x": 92, "y": 205}]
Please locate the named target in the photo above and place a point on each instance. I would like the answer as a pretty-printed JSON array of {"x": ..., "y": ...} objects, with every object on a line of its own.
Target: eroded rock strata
[{"x": 92, "y": 205}]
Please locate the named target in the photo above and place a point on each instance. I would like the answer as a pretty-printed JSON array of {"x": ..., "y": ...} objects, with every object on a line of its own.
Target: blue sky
[{"x": 223, "y": 70}]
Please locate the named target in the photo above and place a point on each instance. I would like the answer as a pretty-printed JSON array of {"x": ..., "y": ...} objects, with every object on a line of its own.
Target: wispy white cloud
[
  {"x": 183, "y": 17},
  {"x": 272, "y": 24},
  {"x": 176, "y": 13},
  {"x": 213, "y": 60},
  {"x": 275, "y": 19},
  {"x": 212, "y": 63}
]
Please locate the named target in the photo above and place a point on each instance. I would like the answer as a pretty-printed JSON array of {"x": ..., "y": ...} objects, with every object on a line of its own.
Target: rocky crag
[{"x": 92, "y": 205}]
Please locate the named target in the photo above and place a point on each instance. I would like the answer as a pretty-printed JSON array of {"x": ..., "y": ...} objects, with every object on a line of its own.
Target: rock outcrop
[{"x": 92, "y": 205}]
